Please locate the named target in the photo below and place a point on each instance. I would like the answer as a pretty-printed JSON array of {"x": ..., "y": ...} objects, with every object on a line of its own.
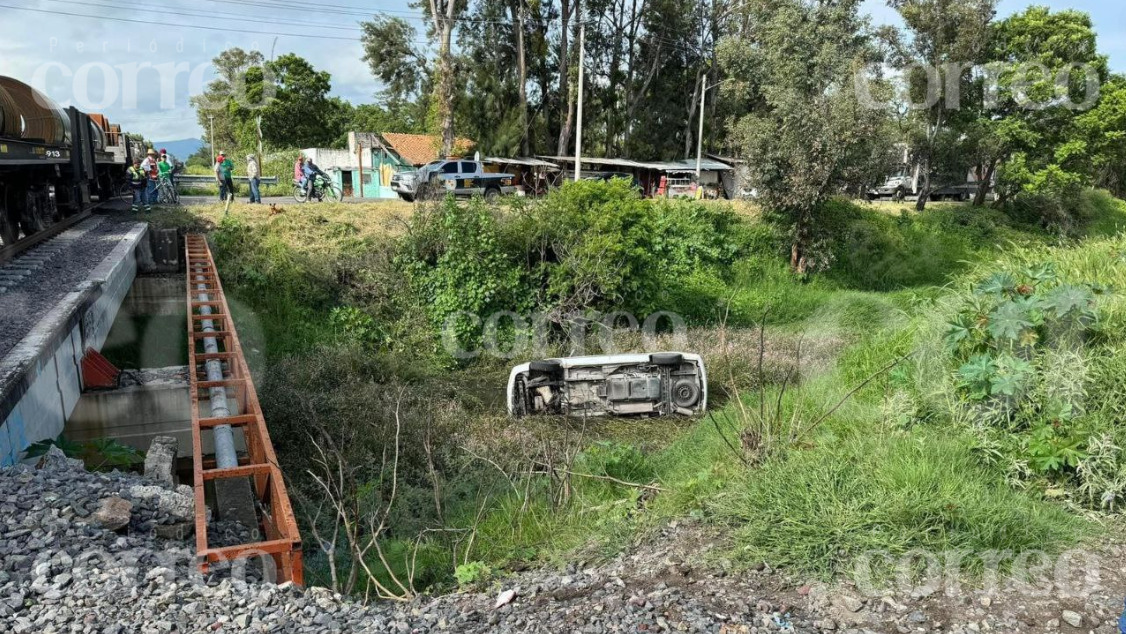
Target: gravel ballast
[{"x": 61, "y": 571}]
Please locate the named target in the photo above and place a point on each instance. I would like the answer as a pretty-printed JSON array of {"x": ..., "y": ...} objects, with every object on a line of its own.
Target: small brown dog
[{"x": 275, "y": 210}]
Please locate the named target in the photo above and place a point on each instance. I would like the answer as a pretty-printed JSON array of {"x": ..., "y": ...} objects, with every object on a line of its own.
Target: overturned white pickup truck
[{"x": 657, "y": 384}]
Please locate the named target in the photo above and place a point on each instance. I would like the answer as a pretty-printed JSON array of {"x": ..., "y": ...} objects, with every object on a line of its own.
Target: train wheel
[
  {"x": 9, "y": 222},
  {"x": 33, "y": 217},
  {"x": 9, "y": 229}
]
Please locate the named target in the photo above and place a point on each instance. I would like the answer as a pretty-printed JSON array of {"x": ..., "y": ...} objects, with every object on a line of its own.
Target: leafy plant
[
  {"x": 100, "y": 454},
  {"x": 352, "y": 323},
  {"x": 616, "y": 460},
  {"x": 1052, "y": 449},
  {"x": 472, "y": 573}
]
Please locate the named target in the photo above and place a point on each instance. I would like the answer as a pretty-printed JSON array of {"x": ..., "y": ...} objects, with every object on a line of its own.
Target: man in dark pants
[
  {"x": 224, "y": 169},
  {"x": 253, "y": 174}
]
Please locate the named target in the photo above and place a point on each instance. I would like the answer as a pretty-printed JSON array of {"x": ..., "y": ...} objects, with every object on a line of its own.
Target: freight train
[{"x": 54, "y": 162}]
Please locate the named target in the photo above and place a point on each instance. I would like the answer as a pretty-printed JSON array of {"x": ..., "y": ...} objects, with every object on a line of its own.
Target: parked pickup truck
[
  {"x": 656, "y": 384},
  {"x": 451, "y": 176}
]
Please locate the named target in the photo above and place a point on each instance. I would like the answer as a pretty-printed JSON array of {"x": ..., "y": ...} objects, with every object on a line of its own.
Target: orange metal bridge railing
[{"x": 276, "y": 519}]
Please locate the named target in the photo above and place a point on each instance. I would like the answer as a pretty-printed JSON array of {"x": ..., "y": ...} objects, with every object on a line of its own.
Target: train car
[{"x": 54, "y": 162}]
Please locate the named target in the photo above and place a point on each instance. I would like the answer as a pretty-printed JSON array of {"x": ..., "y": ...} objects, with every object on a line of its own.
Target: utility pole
[
  {"x": 579, "y": 129},
  {"x": 700, "y": 137},
  {"x": 211, "y": 136}
]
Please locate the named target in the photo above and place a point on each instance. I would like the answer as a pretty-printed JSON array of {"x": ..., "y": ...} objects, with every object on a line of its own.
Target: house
[{"x": 364, "y": 170}]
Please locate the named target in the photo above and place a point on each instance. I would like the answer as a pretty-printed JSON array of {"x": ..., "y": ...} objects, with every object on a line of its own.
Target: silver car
[{"x": 655, "y": 384}]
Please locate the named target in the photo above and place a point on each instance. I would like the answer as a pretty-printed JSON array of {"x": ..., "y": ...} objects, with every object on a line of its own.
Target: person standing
[
  {"x": 149, "y": 167},
  {"x": 253, "y": 174},
  {"x": 224, "y": 171},
  {"x": 138, "y": 180},
  {"x": 219, "y": 177}
]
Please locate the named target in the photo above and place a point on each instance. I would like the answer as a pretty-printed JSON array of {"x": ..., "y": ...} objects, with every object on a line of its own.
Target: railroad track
[{"x": 10, "y": 251}]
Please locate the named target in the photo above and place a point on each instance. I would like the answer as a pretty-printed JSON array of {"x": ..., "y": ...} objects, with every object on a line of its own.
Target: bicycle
[
  {"x": 322, "y": 187},
  {"x": 166, "y": 192}
]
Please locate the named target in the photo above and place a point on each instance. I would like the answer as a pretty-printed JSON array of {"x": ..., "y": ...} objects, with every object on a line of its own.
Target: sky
[{"x": 139, "y": 63}]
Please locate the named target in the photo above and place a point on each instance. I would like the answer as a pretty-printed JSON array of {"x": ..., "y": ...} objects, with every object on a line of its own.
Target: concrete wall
[
  {"x": 136, "y": 415},
  {"x": 41, "y": 375}
]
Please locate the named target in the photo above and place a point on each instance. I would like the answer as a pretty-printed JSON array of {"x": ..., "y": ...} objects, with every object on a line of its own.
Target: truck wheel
[
  {"x": 407, "y": 197},
  {"x": 546, "y": 367},
  {"x": 666, "y": 358},
  {"x": 491, "y": 194},
  {"x": 685, "y": 393}
]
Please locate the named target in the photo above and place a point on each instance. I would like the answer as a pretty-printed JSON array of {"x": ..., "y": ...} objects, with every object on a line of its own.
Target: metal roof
[
  {"x": 593, "y": 160},
  {"x": 687, "y": 165},
  {"x": 531, "y": 162}
]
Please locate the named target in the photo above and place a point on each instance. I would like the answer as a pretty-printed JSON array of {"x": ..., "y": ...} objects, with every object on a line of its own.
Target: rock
[
  {"x": 1072, "y": 618},
  {"x": 160, "y": 460},
  {"x": 55, "y": 459},
  {"x": 504, "y": 598},
  {"x": 848, "y": 602},
  {"x": 113, "y": 513}
]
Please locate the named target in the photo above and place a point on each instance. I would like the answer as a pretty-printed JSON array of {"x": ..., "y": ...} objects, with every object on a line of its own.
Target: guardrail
[{"x": 183, "y": 180}]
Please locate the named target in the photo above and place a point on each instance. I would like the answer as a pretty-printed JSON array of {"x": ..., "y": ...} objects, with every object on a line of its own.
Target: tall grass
[{"x": 819, "y": 509}]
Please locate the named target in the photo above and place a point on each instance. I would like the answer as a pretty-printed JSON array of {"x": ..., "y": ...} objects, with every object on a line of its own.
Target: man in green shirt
[{"x": 224, "y": 168}]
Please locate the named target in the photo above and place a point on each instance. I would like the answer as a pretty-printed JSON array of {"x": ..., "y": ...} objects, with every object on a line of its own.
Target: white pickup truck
[
  {"x": 451, "y": 176},
  {"x": 656, "y": 384}
]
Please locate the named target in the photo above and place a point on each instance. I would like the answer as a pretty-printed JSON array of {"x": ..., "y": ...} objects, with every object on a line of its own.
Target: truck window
[
  {"x": 450, "y": 168},
  {"x": 468, "y": 167}
]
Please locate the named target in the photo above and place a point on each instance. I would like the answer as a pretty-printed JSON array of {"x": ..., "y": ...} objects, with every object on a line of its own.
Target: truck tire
[
  {"x": 491, "y": 194},
  {"x": 546, "y": 367},
  {"x": 666, "y": 358},
  {"x": 407, "y": 198}
]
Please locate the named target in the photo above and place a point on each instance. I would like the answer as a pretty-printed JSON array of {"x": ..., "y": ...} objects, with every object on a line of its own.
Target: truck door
[
  {"x": 468, "y": 182},
  {"x": 449, "y": 176}
]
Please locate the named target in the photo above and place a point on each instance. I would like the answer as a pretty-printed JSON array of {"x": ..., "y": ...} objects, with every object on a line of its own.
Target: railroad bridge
[{"x": 101, "y": 291}]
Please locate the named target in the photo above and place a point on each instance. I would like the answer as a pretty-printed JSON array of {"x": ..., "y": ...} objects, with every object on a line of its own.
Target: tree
[
  {"x": 1039, "y": 147},
  {"x": 1104, "y": 129},
  {"x": 301, "y": 112},
  {"x": 808, "y": 132},
  {"x": 214, "y": 106},
  {"x": 944, "y": 40}
]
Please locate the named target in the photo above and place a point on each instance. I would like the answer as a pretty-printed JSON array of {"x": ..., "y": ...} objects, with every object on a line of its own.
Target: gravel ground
[
  {"x": 39, "y": 278},
  {"x": 63, "y": 570}
]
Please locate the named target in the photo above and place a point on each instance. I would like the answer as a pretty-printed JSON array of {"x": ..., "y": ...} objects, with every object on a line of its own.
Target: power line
[
  {"x": 211, "y": 14},
  {"x": 186, "y": 26}
]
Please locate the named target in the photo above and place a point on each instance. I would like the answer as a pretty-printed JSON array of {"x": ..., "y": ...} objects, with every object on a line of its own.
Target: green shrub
[
  {"x": 472, "y": 573},
  {"x": 616, "y": 460}
]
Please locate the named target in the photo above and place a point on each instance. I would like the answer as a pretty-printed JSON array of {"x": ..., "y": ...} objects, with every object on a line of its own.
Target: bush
[{"x": 616, "y": 460}]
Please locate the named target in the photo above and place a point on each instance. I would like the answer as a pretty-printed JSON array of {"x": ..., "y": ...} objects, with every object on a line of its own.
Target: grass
[
  {"x": 820, "y": 509},
  {"x": 868, "y": 478}
]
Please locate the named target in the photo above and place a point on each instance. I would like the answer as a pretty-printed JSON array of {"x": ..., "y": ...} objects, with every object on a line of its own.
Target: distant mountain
[{"x": 181, "y": 149}]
